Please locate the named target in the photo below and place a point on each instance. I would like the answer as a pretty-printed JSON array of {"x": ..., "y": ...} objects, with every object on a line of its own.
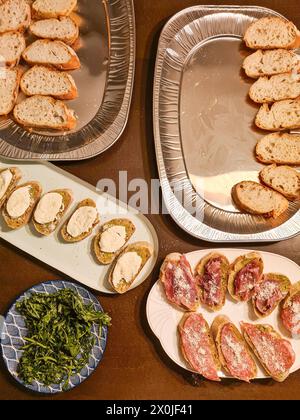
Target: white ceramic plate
[
  {"x": 76, "y": 260},
  {"x": 164, "y": 318}
]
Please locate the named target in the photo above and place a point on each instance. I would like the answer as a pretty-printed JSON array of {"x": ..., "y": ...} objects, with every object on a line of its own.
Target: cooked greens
[{"x": 59, "y": 340}]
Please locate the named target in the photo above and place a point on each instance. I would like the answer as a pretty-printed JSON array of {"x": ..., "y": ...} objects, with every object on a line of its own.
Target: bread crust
[{"x": 17, "y": 175}]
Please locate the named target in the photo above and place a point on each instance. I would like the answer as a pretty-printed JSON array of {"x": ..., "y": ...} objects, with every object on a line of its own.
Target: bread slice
[
  {"x": 106, "y": 258},
  {"x": 42, "y": 80},
  {"x": 280, "y": 148},
  {"x": 290, "y": 311},
  {"x": 256, "y": 199},
  {"x": 238, "y": 362},
  {"x": 44, "y": 112},
  {"x": 16, "y": 176},
  {"x": 35, "y": 194},
  {"x": 144, "y": 250},
  {"x": 12, "y": 44},
  {"x": 270, "y": 62},
  {"x": 53, "y": 8},
  {"x": 15, "y": 15},
  {"x": 283, "y": 115},
  {"x": 47, "y": 228},
  {"x": 272, "y": 32},
  {"x": 9, "y": 89},
  {"x": 63, "y": 29},
  {"x": 64, "y": 232},
  {"x": 275, "y": 88},
  {"x": 283, "y": 179},
  {"x": 54, "y": 53}
]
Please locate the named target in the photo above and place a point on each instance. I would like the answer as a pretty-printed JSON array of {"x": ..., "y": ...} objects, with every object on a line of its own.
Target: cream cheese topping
[
  {"x": 113, "y": 239},
  {"x": 82, "y": 221},
  {"x": 48, "y": 208},
  {"x": 5, "y": 180},
  {"x": 19, "y": 202},
  {"x": 127, "y": 267}
]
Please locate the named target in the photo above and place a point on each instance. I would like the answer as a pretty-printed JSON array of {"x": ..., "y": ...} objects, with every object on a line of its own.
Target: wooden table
[{"x": 135, "y": 366}]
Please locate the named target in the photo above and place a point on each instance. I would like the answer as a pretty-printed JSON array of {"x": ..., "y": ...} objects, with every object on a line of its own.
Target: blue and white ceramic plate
[{"x": 14, "y": 331}]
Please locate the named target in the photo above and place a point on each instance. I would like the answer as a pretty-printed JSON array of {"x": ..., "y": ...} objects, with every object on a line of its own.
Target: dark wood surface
[{"x": 134, "y": 365}]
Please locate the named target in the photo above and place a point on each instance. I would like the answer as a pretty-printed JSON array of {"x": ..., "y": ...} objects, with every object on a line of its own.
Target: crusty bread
[
  {"x": 106, "y": 258},
  {"x": 145, "y": 251},
  {"x": 256, "y": 199},
  {"x": 36, "y": 191},
  {"x": 44, "y": 112},
  {"x": 283, "y": 179},
  {"x": 289, "y": 323},
  {"x": 16, "y": 176},
  {"x": 42, "y": 80},
  {"x": 12, "y": 45},
  {"x": 15, "y": 15},
  {"x": 270, "y": 33},
  {"x": 9, "y": 89},
  {"x": 55, "y": 53},
  {"x": 53, "y": 8},
  {"x": 281, "y": 115},
  {"x": 280, "y": 148},
  {"x": 275, "y": 88},
  {"x": 63, "y": 29},
  {"x": 64, "y": 233},
  {"x": 270, "y": 62},
  {"x": 47, "y": 229}
]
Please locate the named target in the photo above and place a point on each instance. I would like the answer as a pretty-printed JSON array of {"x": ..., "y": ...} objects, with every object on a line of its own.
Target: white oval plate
[{"x": 164, "y": 318}]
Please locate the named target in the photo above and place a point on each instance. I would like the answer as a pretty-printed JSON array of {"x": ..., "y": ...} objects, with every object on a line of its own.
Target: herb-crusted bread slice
[
  {"x": 283, "y": 179},
  {"x": 275, "y": 88},
  {"x": 9, "y": 178},
  {"x": 53, "y": 8},
  {"x": 281, "y": 115},
  {"x": 9, "y": 89},
  {"x": 62, "y": 29},
  {"x": 15, "y": 15},
  {"x": 280, "y": 148},
  {"x": 12, "y": 45}
]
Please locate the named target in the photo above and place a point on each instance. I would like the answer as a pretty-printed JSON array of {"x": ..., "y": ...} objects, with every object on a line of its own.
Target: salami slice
[
  {"x": 198, "y": 347},
  {"x": 290, "y": 313}
]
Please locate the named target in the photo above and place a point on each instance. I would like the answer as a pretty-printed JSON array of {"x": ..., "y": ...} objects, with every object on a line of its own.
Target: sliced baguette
[
  {"x": 283, "y": 115},
  {"x": 44, "y": 112},
  {"x": 16, "y": 176},
  {"x": 270, "y": 62},
  {"x": 47, "y": 228},
  {"x": 106, "y": 258},
  {"x": 42, "y": 80},
  {"x": 283, "y": 179},
  {"x": 12, "y": 45},
  {"x": 275, "y": 88},
  {"x": 53, "y": 8},
  {"x": 54, "y": 53},
  {"x": 63, "y": 29},
  {"x": 9, "y": 89},
  {"x": 290, "y": 312},
  {"x": 280, "y": 148},
  {"x": 15, "y": 15},
  {"x": 272, "y": 32},
  {"x": 144, "y": 250},
  {"x": 17, "y": 223},
  {"x": 256, "y": 199}
]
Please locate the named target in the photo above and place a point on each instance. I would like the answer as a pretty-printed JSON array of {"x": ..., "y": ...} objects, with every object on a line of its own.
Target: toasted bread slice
[
  {"x": 42, "y": 80},
  {"x": 136, "y": 255},
  {"x": 105, "y": 257},
  {"x": 280, "y": 148},
  {"x": 64, "y": 231},
  {"x": 53, "y": 8},
  {"x": 9, "y": 89},
  {"x": 35, "y": 191},
  {"x": 233, "y": 351},
  {"x": 15, "y": 15},
  {"x": 44, "y": 112},
  {"x": 9, "y": 178},
  {"x": 48, "y": 227},
  {"x": 212, "y": 276},
  {"x": 274, "y": 353},
  {"x": 275, "y": 88},
  {"x": 54, "y": 53},
  {"x": 272, "y": 32},
  {"x": 256, "y": 199},
  {"x": 64, "y": 29},
  {"x": 270, "y": 62},
  {"x": 290, "y": 311},
  {"x": 282, "y": 115},
  {"x": 12, "y": 45},
  {"x": 283, "y": 179},
  {"x": 245, "y": 272}
]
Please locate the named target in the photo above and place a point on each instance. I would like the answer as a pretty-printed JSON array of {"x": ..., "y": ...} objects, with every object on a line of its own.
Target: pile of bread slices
[
  {"x": 276, "y": 66},
  {"x": 45, "y": 83}
]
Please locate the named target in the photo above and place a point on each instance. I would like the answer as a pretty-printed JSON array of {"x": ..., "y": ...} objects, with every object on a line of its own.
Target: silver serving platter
[
  {"x": 204, "y": 125},
  {"x": 105, "y": 82}
]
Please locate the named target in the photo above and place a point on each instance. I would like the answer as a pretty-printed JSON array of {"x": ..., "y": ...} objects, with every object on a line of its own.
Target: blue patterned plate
[{"x": 14, "y": 331}]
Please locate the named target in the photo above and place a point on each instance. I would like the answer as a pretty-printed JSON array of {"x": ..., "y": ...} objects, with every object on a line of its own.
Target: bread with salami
[{"x": 290, "y": 311}]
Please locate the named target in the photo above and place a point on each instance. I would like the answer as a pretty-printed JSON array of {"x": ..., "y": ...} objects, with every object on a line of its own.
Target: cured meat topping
[
  {"x": 246, "y": 280},
  {"x": 291, "y": 315},
  {"x": 211, "y": 282},
  {"x": 267, "y": 295}
]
